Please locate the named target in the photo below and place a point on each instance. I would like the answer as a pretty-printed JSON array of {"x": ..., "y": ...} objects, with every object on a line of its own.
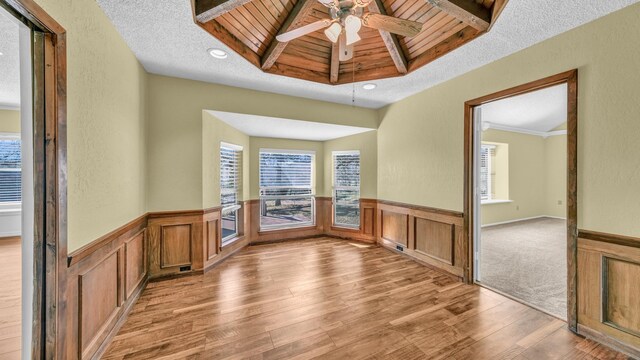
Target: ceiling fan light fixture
[
  {"x": 333, "y": 32},
  {"x": 352, "y": 25},
  {"x": 217, "y": 53}
]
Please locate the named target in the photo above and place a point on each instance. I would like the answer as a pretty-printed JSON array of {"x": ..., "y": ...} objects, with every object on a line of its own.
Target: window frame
[
  {"x": 13, "y": 205},
  {"x": 236, "y": 190},
  {"x": 310, "y": 196},
  {"x": 489, "y": 196},
  {"x": 336, "y": 188}
]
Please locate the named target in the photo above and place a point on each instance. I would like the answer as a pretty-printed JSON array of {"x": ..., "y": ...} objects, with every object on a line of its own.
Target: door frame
[
  {"x": 49, "y": 68},
  {"x": 571, "y": 79}
]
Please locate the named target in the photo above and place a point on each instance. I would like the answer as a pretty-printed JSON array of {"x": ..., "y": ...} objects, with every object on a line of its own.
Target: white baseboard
[{"x": 523, "y": 219}]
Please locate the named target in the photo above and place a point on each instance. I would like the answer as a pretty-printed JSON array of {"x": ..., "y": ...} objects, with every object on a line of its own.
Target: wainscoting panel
[
  {"x": 104, "y": 280},
  {"x": 176, "y": 242},
  {"x": 99, "y": 300},
  {"x": 432, "y": 236},
  {"x": 212, "y": 231},
  {"x": 609, "y": 290},
  {"x": 135, "y": 262},
  {"x": 435, "y": 239},
  {"x": 367, "y": 230},
  {"x": 395, "y": 227},
  {"x": 175, "y": 245}
]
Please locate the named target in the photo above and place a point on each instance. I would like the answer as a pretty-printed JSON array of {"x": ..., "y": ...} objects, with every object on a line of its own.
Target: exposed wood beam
[
  {"x": 498, "y": 6},
  {"x": 294, "y": 20},
  {"x": 390, "y": 40},
  {"x": 335, "y": 63},
  {"x": 207, "y": 10},
  {"x": 467, "y": 11},
  {"x": 453, "y": 42}
]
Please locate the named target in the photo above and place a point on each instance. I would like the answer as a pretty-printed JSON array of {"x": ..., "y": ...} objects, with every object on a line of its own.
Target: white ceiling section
[
  {"x": 270, "y": 127},
  {"x": 538, "y": 111},
  {"x": 9, "y": 62},
  {"x": 166, "y": 41}
]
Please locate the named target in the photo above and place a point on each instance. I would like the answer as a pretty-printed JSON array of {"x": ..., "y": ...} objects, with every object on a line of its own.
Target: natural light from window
[{"x": 346, "y": 189}]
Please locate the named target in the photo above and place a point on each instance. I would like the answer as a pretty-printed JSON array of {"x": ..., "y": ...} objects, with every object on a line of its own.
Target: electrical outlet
[
  {"x": 399, "y": 248},
  {"x": 517, "y": 207}
]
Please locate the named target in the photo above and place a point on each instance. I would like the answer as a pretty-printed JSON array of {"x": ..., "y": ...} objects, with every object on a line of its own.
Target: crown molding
[
  {"x": 9, "y": 107},
  {"x": 543, "y": 134}
]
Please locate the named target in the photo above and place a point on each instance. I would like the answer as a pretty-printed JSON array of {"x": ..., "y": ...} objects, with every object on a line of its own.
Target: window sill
[
  {"x": 287, "y": 229},
  {"x": 231, "y": 241},
  {"x": 354, "y": 229},
  {"x": 491, "y": 202}
]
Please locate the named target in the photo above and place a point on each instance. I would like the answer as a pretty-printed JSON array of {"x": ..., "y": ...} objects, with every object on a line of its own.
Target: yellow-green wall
[
  {"x": 9, "y": 121},
  {"x": 367, "y": 144},
  {"x": 258, "y": 143},
  {"x": 106, "y": 91},
  {"x": 556, "y": 176},
  {"x": 175, "y": 174},
  {"x": 420, "y": 139},
  {"x": 537, "y": 177},
  {"x": 214, "y": 132}
]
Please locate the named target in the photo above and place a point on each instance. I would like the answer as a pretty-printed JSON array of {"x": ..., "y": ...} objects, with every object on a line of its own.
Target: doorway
[
  {"x": 522, "y": 237},
  {"x": 42, "y": 112}
]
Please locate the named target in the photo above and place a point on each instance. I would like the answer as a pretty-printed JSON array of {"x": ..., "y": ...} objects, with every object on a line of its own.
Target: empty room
[{"x": 319, "y": 179}]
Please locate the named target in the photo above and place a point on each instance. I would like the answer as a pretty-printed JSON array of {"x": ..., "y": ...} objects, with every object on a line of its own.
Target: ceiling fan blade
[
  {"x": 303, "y": 30},
  {"x": 345, "y": 51},
  {"x": 392, "y": 24}
]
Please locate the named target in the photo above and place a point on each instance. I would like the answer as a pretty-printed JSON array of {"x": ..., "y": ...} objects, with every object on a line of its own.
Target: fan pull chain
[{"x": 353, "y": 79}]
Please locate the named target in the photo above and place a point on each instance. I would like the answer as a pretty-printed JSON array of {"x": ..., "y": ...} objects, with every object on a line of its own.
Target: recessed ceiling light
[
  {"x": 1, "y": 53},
  {"x": 369, "y": 86},
  {"x": 217, "y": 53}
]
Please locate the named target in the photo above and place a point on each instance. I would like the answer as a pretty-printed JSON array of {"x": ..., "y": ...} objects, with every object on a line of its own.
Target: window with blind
[
  {"x": 486, "y": 152},
  {"x": 230, "y": 189},
  {"x": 10, "y": 170},
  {"x": 286, "y": 189},
  {"x": 346, "y": 189}
]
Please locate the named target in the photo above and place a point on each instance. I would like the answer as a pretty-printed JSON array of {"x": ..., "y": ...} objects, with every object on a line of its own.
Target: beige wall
[
  {"x": 214, "y": 132},
  {"x": 175, "y": 126},
  {"x": 367, "y": 144},
  {"x": 420, "y": 140},
  {"x": 105, "y": 123},
  {"x": 556, "y": 176},
  {"x": 537, "y": 177},
  {"x": 258, "y": 143},
  {"x": 9, "y": 121}
]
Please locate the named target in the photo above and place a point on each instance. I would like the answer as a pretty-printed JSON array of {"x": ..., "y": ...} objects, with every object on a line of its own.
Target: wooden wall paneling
[
  {"x": 175, "y": 245},
  {"x": 105, "y": 279},
  {"x": 608, "y": 291},
  {"x": 395, "y": 227},
  {"x": 433, "y": 236},
  {"x": 99, "y": 298},
  {"x": 135, "y": 263},
  {"x": 176, "y": 242},
  {"x": 435, "y": 239}
]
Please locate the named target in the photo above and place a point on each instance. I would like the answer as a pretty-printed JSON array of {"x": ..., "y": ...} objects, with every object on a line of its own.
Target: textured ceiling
[
  {"x": 271, "y": 127},
  {"x": 9, "y": 62},
  {"x": 165, "y": 39},
  {"x": 542, "y": 110}
]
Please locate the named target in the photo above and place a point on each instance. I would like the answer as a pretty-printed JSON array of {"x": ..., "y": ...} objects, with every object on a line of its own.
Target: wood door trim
[
  {"x": 571, "y": 79},
  {"x": 49, "y": 58}
]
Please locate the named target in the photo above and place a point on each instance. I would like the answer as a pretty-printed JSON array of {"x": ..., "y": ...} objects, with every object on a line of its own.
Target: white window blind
[
  {"x": 286, "y": 189},
  {"x": 230, "y": 188},
  {"x": 10, "y": 170},
  {"x": 486, "y": 154},
  {"x": 346, "y": 188},
  {"x": 285, "y": 173}
]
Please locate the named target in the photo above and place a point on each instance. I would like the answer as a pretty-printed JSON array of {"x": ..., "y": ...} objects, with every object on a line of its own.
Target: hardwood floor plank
[{"x": 326, "y": 299}]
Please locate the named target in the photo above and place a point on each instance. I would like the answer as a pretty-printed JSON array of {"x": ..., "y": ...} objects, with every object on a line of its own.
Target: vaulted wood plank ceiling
[{"x": 250, "y": 28}]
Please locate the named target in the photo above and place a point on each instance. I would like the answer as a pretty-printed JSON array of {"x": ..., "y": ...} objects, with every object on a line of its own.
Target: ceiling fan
[{"x": 347, "y": 17}]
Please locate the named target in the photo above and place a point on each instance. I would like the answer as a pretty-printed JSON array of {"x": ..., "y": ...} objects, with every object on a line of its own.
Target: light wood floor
[
  {"x": 10, "y": 297},
  {"x": 332, "y": 299}
]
